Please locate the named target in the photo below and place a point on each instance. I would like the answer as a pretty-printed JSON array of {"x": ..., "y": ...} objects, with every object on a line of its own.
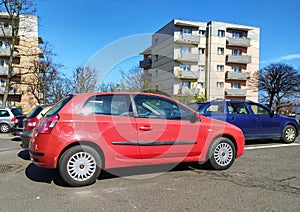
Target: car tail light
[
  {"x": 17, "y": 121},
  {"x": 31, "y": 123},
  {"x": 13, "y": 119},
  {"x": 47, "y": 124}
]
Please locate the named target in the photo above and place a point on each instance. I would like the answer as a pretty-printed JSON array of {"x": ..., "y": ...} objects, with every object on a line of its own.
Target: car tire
[
  {"x": 4, "y": 128},
  {"x": 221, "y": 154},
  {"x": 289, "y": 134},
  {"x": 80, "y": 166}
]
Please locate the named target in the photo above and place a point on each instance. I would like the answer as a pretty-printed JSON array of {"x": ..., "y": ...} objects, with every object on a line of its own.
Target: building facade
[
  {"x": 214, "y": 59},
  {"x": 27, "y": 51}
]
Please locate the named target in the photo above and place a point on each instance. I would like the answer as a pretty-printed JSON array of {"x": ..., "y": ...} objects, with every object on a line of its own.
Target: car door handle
[
  {"x": 258, "y": 118},
  {"x": 231, "y": 118},
  {"x": 145, "y": 128}
]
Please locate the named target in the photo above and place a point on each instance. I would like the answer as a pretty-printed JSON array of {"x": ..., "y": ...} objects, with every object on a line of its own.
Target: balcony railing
[
  {"x": 187, "y": 57},
  {"x": 3, "y": 71},
  {"x": 188, "y": 75},
  {"x": 146, "y": 62},
  {"x": 6, "y": 52},
  {"x": 5, "y": 32},
  {"x": 186, "y": 38},
  {"x": 243, "y": 59},
  {"x": 231, "y": 75},
  {"x": 235, "y": 92},
  {"x": 245, "y": 42}
]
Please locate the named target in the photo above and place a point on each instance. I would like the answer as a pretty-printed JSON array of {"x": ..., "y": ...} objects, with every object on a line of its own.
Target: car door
[
  {"x": 238, "y": 114},
  {"x": 115, "y": 125},
  {"x": 165, "y": 129},
  {"x": 267, "y": 125}
]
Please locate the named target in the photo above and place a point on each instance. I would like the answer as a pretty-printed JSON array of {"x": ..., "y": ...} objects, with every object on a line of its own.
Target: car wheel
[
  {"x": 289, "y": 134},
  {"x": 221, "y": 154},
  {"x": 80, "y": 166},
  {"x": 4, "y": 128}
]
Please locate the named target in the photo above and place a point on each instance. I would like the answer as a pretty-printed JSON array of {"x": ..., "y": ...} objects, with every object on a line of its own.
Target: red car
[{"x": 86, "y": 133}]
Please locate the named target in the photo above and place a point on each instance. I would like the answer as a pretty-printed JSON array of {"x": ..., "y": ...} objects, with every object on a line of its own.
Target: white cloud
[{"x": 282, "y": 58}]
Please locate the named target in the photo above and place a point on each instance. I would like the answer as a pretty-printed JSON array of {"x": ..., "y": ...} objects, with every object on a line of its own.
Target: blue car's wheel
[{"x": 289, "y": 134}]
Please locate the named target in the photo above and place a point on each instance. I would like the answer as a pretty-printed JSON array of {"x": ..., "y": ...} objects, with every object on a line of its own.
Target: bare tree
[
  {"x": 59, "y": 87},
  {"x": 279, "y": 84},
  {"x": 84, "y": 80},
  {"x": 133, "y": 79},
  {"x": 41, "y": 76},
  {"x": 15, "y": 11}
]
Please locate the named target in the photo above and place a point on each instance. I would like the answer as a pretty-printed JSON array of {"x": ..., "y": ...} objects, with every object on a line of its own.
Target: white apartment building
[{"x": 213, "y": 59}]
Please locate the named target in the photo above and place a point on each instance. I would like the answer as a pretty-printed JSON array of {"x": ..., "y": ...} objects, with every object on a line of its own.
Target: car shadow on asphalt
[{"x": 43, "y": 175}]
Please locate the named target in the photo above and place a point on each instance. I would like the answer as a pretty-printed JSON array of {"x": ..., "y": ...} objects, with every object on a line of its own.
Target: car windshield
[{"x": 58, "y": 105}]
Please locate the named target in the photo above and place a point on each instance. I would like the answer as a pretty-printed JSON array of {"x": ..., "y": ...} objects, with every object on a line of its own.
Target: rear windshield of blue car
[{"x": 16, "y": 112}]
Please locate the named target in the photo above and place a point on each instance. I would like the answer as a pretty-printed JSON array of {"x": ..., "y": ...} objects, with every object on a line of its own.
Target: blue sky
[{"x": 79, "y": 29}]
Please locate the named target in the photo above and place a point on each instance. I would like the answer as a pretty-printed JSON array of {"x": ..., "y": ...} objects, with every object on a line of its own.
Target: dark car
[
  {"x": 255, "y": 120},
  {"x": 31, "y": 121},
  {"x": 17, "y": 128},
  {"x": 85, "y": 133}
]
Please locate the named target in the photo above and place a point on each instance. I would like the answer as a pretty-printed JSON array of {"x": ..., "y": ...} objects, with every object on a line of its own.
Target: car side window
[
  {"x": 160, "y": 108},
  {"x": 237, "y": 108},
  {"x": 259, "y": 110},
  {"x": 4, "y": 113},
  {"x": 116, "y": 105},
  {"x": 215, "y": 108}
]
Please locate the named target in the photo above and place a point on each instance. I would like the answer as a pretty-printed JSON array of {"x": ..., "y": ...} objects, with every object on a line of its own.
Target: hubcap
[
  {"x": 290, "y": 134},
  {"x": 223, "y": 154},
  {"x": 4, "y": 128},
  {"x": 81, "y": 166}
]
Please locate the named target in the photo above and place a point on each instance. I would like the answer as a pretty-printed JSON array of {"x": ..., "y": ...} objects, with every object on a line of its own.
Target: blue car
[{"x": 255, "y": 120}]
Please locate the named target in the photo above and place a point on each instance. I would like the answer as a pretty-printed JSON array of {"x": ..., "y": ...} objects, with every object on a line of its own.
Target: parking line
[{"x": 272, "y": 146}]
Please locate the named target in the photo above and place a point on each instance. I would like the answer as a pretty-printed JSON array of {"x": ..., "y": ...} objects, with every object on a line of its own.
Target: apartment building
[
  {"x": 26, "y": 51},
  {"x": 214, "y": 59}
]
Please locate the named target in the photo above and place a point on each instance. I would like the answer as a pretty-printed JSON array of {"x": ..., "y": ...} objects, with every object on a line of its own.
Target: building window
[
  {"x": 221, "y": 33},
  {"x": 185, "y": 67},
  {"x": 220, "y": 50},
  {"x": 186, "y": 31},
  {"x": 220, "y": 68},
  {"x": 2, "y": 83},
  {"x": 4, "y": 44},
  {"x": 202, "y": 32},
  {"x": 236, "y": 69},
  {"x": 236, "y": 52},
  {"x": 201, "y": 68},
  {"x": 185, "y": 49},
  {"x": 201, "y": 50},
  {"x": 156, "y": 57},
  {"x": 2, "y": 63},
  {"x": 236, "y": 85},
  {"x": 184, "y": 84},
  {"x": 220, "y": 84}
]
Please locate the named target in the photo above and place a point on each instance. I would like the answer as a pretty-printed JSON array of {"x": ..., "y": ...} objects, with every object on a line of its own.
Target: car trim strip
[
  {"x": 155, "y": 143},
  {"x": 36, "y": 153}
]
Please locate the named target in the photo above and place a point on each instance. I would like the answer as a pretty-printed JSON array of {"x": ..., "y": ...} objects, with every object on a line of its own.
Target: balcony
[
  {"x": 187, "y": 75},
  {"x": 5, "y": 52},
  {"x": 235, "y": 92},
  {"x": 5, "y": 32},
  {"x": 242, "y": 59},
  {"x": 231, "y": 75},
  {"x": 187, "y": 57},
  {"x": 146, "y": 63},
  {"x": 3, "y": 71},
  {"x": 187, "y": 39},
  {"x": 13, "y": 94},
  {"x": 243, "y": 42}
]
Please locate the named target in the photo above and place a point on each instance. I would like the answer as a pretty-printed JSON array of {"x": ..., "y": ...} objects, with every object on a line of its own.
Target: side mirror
[{"x": 194, "y": 118}]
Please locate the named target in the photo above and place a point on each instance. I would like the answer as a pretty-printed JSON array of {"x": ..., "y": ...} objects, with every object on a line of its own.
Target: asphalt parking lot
[{"x": 265, "y": 178}]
